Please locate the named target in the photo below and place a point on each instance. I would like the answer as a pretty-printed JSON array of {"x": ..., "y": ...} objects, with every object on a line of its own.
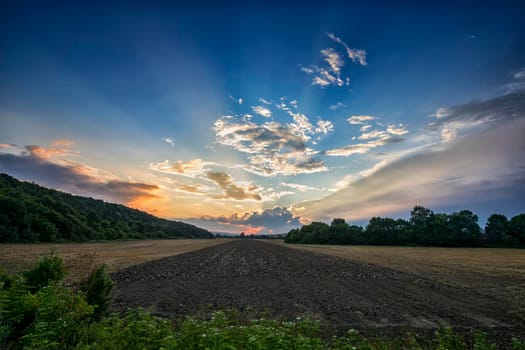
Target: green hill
[{"x": 32, "y": 213}]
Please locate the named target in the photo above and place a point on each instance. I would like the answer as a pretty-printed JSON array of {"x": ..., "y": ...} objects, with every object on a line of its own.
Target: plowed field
[{"x": 257, "y": 277}]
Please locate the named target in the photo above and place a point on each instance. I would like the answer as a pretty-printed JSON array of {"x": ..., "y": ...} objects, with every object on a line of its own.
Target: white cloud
[
  {"x": 192, "y": 168},
  {"x": 482, "y": 165},
  {"x": 320, "y": 81},
  {"x": 265, "y": 101},
  {"x": 263, "y": 111},
  {"x": 308, "y": 70},
  {"x": 356, "y": 55},
  {"x": 397, "y": 130},
  {"x": 298, "y": 187},
  {"x": 169, "y": 140},
  {"x": 377, "y": 138},
  {"x": 337, "y": 106},
  {"x": 240, "y": 101},
  {"x": 441, "y": 112},
  {"x": 374, "y": 134},
  {"x": 360, "y": 119},
  {"x": 360, "y": 148},
  {"x": 330, "y": 74},
  {"x": 519, "y": 74},
  {"x": 333, "y": 59},
  {"x": 273, "y": 148},
  {"x": 449, "y": 133},
  {"x": 478, "y": 168},
  {"x": 324, "y": 126}
]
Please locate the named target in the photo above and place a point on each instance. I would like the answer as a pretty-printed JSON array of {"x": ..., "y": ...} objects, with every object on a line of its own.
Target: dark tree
[
  {"x": 497, "y": 228},
  {"x": 463, "y": 229},
  {"x": 517, "y": 228}
]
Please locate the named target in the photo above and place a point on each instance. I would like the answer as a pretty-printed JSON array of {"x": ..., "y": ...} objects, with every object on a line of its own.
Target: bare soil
[{"x": 256, "y": 277}]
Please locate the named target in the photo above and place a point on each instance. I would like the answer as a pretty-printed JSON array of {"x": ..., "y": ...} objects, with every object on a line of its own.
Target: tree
[
  {"x": 517, "y": 228},
  {"x": 497, "y": 228},
  {"x": 420, "y": 223},
  {"x": 463, "y": 228}
]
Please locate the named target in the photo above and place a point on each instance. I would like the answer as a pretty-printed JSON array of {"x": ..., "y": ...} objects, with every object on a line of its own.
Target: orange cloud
[
  {"x": 62, "y": 143},
  {"x": 46, "y": 153}
]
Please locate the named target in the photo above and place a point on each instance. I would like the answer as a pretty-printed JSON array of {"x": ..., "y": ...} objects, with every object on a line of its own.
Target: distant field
[
  {"x": 499, "y": 273},
  {"x": 82, "y": 257}
]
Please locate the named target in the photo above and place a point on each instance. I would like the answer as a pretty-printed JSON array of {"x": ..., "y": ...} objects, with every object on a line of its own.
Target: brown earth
[
  {"x": 256, "y": 277},
  {"x": 81, "y": 258}
]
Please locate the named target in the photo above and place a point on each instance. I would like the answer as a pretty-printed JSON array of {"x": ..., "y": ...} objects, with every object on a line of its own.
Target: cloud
[
  {"x": 272, "y": 148},
  {"x": 518, "y": 82},
  {"x": 333, "y": 59},
  {"x": 485, "y": 167},
  {"x": 440, "y": 113},
  {"x": 324, "y": 126},
  {"x": 355, "y": 55},
  {"x": 467, "y": 117},
  {"x": 377, "y": 138},
  {"x": 270, "y": 221},
  {"x": 359, "y": 148},
  {"x": 520, "y": 74},
  {"x": 330, "y": 73},
  {"x": 192, "y": 168},
  {"x": 263, "y": 111},
  {"x": 37, "y": 165},
  {"x": 337, "y": 106},
  {"x": 169, "y": 140},
  {"x": 397, "y": 130},
  {"x": 47, "y": 153},
  {"x": 299, "y": 187},
  {"x": 360, "y": 119},
  {"x": 265, "y": 101},
  {"x": 232, "y": 190},
  {"x": 62, "y": 143}
]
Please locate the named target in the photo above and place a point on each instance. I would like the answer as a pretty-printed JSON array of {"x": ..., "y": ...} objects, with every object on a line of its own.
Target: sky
[{"x": 260, "y": 116}]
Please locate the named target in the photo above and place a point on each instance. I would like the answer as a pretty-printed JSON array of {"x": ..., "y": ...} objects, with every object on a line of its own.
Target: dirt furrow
[{"x": 253, "y": 275}]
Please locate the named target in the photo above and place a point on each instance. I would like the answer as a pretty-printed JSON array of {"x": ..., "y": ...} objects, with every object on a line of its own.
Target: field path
[{"x": 253, "y": 276}]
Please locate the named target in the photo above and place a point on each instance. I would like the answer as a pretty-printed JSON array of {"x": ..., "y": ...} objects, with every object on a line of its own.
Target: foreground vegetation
[
  {"x": 424, "y": 228},
  {"x": 31, "y": 213},
  {"x": 38, "y": 311}
]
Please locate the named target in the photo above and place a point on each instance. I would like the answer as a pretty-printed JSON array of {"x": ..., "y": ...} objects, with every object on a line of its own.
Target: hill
[{"x": 32, "y": 213}]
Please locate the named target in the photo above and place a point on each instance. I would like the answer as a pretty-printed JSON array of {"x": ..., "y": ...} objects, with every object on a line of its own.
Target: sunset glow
[{"x": 245, "y": 118}]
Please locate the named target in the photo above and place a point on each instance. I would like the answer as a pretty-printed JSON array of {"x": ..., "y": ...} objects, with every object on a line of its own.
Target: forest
[
  {"x": 32, "y": 213},
  {"x": 423, "y": 228}
]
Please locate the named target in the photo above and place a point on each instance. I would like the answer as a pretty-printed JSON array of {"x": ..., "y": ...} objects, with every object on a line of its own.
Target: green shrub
[
  {"x": 47, "y": 270},
  {"x": 98, "y": 287},
  {"x": 59, "y": 317},
  {"x": 138, "y": 329}
]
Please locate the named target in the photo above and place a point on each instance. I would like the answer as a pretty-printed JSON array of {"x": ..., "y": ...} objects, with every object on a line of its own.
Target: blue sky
[{"x": 260, "y": 116}]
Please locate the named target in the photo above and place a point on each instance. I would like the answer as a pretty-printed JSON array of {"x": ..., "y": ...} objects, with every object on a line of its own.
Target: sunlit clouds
[
  {"x": 250, "y": 122},
  {"x": 330, "y": 74},
  {"x": 274, "y": 148}
]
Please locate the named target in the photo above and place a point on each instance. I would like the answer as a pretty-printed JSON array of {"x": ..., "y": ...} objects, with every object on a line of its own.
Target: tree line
[
  {"x": 424, "y": 227},
  {"x": 32, "y": 213}
]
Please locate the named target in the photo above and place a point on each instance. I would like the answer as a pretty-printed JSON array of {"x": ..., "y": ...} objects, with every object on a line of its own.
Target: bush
[
  {"x": 47, "y": 270},
  {"x": 98, "y": 287}
]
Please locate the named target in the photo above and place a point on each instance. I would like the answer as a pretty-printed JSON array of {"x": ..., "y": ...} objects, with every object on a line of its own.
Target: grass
[{"x": 81, "y": 258}]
